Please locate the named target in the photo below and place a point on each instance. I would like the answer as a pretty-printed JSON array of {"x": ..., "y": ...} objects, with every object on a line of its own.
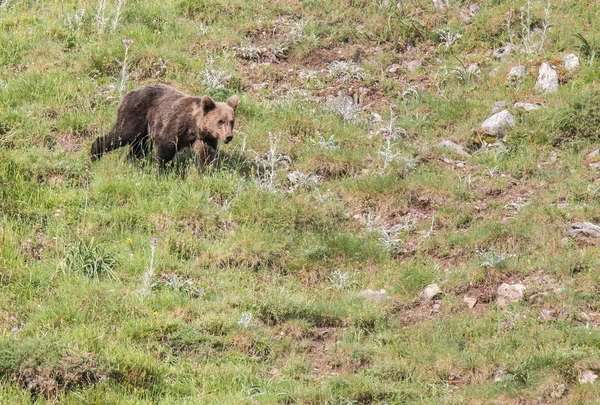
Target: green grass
[{"x": 252, "y": 294}]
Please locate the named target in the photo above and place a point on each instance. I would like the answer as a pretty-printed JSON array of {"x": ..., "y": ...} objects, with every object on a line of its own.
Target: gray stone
[
  {"x": 586, "y": 229},
  {"x": 454, "y": 147},
  {"x": 394, "y": 68},
  {"x": 571, "y": 62},
  {"x": 504, "y": 51},
  {"x": 498, "y": 106},
  {"x": 499, "y": 123},
  {"x": 374, "y": 296},
  {"x": 470, "y": 301},
  {"x": 413, "y": 65},
  {"x": 473, "y": 8},
  {"x": 547, "y": 80},
  {"x": 517, "y": 73},
  {"x": 430, "y": 292},
  {"x": 508, "y": 293},
  {"x": 439, "y": 4},
  {"x": 559, "y": 391},
  {"x": 474, "y": 69},
  {"x": 594, "y": 165},
  {"x": 529, "y": 106},
  {"x": 593, "y": 154},
  {"x": 587, "y": 377}
]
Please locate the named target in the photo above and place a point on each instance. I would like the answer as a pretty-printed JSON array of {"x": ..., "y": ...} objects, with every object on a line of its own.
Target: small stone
[
  {"x": 498, "y": 106},
  {"x": 374, "y": 296},
  {"x": 547, "y": 81},
  {"x": 439, "y": 4},
  {"x": 499, "y": 123},
  {"x": 470, "y": 301},
  {"x": 584, "y": 317},
  {"x": 517, "y": 73},
  {"x": 594, "y": 165},
  {"x": 503, "y": 52},
  {"x": 565, "y": 241},
  {"x": 394, "y": 68},
  {"x": 571, "y": 62},
  {"x": 559, "y": 391},
  {"x": 413, "y": 65},
  {"x": 593, "y": 154},
  {"x": 587, "y": 377},
  {"x": 454, "y": 147},
  {"x": 586, "y": 229},
  {"x": 430, "y": 292},
  {"x": 474, "y": 7},
  {"x": 474, "y": 69},
  {"x": 529, "y": 106},
  {"x": 508, "y": 293}
]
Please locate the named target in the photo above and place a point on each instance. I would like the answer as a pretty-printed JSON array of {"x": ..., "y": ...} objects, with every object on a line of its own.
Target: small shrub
[{"x": 580, "y": 119}]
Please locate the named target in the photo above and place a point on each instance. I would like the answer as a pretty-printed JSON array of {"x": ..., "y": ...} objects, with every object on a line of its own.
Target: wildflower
[
  {"x": 128, "y": 42},
  {"x": 154, "y": 313},
  {"x": 129, "y": 241},
  {"x": 393, "y": 106},
  {"x": 512, "y": 10},
  {"x": 522, "y": 9},
  {"x": 411, "y": 244},
  {"x": 386, "y": 135},
  {"x": 154, "y": 242}
]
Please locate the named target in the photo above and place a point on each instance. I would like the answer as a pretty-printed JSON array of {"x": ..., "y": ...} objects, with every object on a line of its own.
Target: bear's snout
[{"x": 229, "y": 139}]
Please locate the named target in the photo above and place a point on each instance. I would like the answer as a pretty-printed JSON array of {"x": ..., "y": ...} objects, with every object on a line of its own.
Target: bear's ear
[
  {"x": 207, "y": 104},
  {"x": 233, "y": 102}
]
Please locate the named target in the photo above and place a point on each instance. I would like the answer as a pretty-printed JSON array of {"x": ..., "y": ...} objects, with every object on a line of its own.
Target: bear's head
[{"x": 217, "y": 119}]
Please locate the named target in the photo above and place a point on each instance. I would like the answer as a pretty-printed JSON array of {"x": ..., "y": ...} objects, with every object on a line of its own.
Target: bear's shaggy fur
[{"x": 172, "y": 120}]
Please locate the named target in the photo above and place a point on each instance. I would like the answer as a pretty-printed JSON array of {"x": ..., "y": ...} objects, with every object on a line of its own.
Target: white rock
[
  {"x": 594, "y": 165},
  {"x": 439, "y": 4},
  {"x": 498, "y": 106},
  {"x": 547, "y": 80},
  {"x": 474, "y": 69},
  {"x": 470, "y": 301},
  {"x": 499, "y": 123},
  {"x": 374, "y": 296},
  {"x": 586, "y": 229},
  {"x": 593, "y": 154},
  {"x": 587, "y": 377},
  {"x": 413, "y": 65},
  {"x": 508, "y": 293},
  {"x": 454, "y": 147},
  {"x": 430, "y": 292},
  {"x": 571, "y": 62},
  {"x": 473, "y": 8},
  {"x": 529, "y": 106},
  {"x": 517, "y": 73},
  {"x": 503, "y": 52},
  {"x": 559, "y": 391},
  {"x": 394, "y": 68}
]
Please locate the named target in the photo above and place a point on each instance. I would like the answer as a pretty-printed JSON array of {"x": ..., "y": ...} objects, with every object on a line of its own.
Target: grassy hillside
[{"x": 246, "y": 285}]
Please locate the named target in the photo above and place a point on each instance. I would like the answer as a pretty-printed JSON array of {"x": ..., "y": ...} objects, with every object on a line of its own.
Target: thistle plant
[
  {"x": 342, "y": 280},
  {"x": 492, "y": 257},
  {"x": 271, "y": 163},
  {"x": 124, "y": 74},
  {"x": 519, "y": 26},
  {"x": 148, "y": 277}
]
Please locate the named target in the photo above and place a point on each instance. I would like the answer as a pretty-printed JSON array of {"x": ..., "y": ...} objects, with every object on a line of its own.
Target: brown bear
[{"x": 172, "y": 120}]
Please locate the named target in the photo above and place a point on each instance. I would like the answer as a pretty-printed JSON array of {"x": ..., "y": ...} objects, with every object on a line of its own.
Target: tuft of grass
[{"x": 89, "y": 259}]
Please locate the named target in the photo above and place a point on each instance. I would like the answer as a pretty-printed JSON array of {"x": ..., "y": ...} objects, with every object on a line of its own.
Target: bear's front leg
[
  {"x": 165, "y": 152},
  {"x": 206, "y": 153}
]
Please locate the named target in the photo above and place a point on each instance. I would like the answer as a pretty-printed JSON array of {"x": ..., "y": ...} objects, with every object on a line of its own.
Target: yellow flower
[
  {"x": 154, "y": 313},
  {"x": 129, "y": 240}
]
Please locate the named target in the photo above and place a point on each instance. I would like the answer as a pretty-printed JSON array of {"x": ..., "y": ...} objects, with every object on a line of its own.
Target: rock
[
  {"x": 508, "y": 293},
  {"x": 593, "y": 154},
  {"x": 430, "y": 292},
  {"x": 503, "y": 52},
  {"x": 498, "y": 106},
  {"x": 529, "y": 106},
  {"x": 571, "y": 62},
  {"x": 470, "y": 301},
  {"x": 454, "y": 147},
  {"x": 413, "y": 65},
  {"x": 594, "y": 165},
  {"x": 474, "y": 7},
  {"x": 558, "y": 392},
  {"x": 374, "y": 296},
  {"x": 499, "y": 123},
  {"x": 547, "y": 80},
  {"x": 587, "y": 377},
  {"x": 586, "y": 229},
  {"x": 441, "y": 4},
  {"x": 394, "y": 68},
  {"x": 517, "y": 73},
  {"x": 474, "y": 69}
]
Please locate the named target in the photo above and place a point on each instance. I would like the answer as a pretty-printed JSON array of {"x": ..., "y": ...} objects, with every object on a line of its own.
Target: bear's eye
[{"x": 221, "y": 122}]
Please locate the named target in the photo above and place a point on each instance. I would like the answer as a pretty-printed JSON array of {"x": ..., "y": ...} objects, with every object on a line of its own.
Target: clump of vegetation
[{"x": 89, "y": 259}]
